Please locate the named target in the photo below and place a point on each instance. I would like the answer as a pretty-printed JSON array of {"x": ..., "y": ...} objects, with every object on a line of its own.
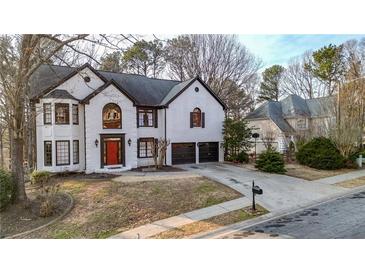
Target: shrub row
[
  {"x": 7, "y": 189},
  {"x": 320, "y": 153}
]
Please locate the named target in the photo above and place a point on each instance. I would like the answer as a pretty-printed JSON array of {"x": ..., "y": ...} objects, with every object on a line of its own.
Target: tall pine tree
[{"x": 270, "y": 85}]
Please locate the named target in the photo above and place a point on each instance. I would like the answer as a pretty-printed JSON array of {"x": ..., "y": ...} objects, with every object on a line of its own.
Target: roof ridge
[{"x": 108, "y": 71}]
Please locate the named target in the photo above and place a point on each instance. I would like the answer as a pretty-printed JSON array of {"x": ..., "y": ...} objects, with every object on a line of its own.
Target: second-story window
[
  {"x": 146, "y": 117},
  {"x": 75, "y": 114},
  {"x": 301, "y": 124},
  {"x": 47, "y": 114},
  {"x": 112, "y": 116},
  {"x": 62, "y": 113}
]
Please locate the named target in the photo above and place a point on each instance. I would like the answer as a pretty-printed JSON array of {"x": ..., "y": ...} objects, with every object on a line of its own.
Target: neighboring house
[
  {"x": 291, "y": 119},
  {"x": 98, "y": 121}
]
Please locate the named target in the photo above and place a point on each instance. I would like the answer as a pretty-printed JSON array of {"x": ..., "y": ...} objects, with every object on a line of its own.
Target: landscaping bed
[
  {"x": 104, "y": 207},
  {"x": 212, "y": 223},
  {"x": 311, "y": 174},
  {"x": 18, "y": 219}
]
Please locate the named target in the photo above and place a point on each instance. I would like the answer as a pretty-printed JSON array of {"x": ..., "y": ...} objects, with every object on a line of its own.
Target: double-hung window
[
  {"x": 62, "y": 153},
  {"x": 47, "y": 114},
  {"x": 146, "y": 147},
  {"x": 75, "y": 152},
  {"x": 47, "y": 153},
  {"x": 146, "y": 118},
  {"x": 75, "y": 114}
]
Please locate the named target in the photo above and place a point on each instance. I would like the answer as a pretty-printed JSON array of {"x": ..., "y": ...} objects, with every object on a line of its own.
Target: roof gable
[
  {"x": 49, "y": 77},
  {"x": 181, "y": 87},
  {"x": 87, "y": 99}
]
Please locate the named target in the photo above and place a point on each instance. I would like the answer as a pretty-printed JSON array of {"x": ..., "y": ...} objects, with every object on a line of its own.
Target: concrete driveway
[{"x": 281, "y": 193}]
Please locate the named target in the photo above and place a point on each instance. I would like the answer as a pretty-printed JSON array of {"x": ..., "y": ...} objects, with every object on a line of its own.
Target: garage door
[
  {"x": 183, "y": 153},
  {"x": 208, "y": 152}
]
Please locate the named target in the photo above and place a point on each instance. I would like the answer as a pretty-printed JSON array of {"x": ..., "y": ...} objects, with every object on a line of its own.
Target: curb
[
  {"x": 68, "y": 209},
  {"x": 268, "y": 217}
]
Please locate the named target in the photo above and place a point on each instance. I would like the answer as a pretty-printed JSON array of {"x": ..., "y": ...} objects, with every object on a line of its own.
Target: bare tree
[
  {"x": 268, "y": 139},
  {"x": 159, "y": 152},
  {"x": 297, "y": 79},
  {"x": 220, "y": 60}
]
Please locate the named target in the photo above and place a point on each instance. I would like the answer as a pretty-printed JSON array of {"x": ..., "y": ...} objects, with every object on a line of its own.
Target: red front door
[{"x": 112, "y": 152}]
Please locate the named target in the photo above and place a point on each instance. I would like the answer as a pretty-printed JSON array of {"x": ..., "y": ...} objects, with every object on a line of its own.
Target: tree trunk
[
  {"x": 2, "y": 151},
  {"x": 17, "y": 168}
]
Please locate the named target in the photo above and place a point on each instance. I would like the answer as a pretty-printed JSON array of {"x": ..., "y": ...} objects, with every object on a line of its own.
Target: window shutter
[
  {"x": 137, "y": 119},
  {"x": 191, "y": 119},
  {"x": 138, "y": 147},
  {"x": 203, "y": 119},
  {"x": 156, "y": 118}
]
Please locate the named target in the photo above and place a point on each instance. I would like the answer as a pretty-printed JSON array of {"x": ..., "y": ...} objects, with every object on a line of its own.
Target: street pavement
[{"x": 343, "y": 218}]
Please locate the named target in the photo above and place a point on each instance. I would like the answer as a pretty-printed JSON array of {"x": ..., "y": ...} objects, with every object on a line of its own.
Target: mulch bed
[{"x": 17, "y": 219}]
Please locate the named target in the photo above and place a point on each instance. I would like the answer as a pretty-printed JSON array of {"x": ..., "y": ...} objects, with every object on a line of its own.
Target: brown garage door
[
  {"x": 183, "y": 153},
  {"x": 208, "y": 152}
]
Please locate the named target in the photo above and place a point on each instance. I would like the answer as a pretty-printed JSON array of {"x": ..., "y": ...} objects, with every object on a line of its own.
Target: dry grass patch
[
  {"x": 311, "y": 174},
  {"x": 352, "y": 183},
  {"x": 212, "y": 223},
  {"x": 103, "y": 207}
]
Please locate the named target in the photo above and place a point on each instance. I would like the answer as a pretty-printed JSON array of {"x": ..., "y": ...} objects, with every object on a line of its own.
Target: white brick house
[{"x": 99, "y": 121}]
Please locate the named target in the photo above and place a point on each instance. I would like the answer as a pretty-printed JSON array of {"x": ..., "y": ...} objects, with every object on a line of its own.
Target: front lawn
[
  {"x": 352, "y": 183},
  {"x": 107, "y": 207},
  {"x": 311, "y": 174},
  {"x": 212, "y": 223}
]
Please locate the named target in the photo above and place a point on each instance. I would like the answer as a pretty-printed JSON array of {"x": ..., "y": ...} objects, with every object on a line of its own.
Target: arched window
[
  {"x": 112, "y": 116},
  {"x": 197, "y": 117}
]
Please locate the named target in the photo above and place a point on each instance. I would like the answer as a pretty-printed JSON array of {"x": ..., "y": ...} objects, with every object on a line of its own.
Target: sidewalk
[
  {"x": 342, "y": 177},
  {"x": 157, "y": 227}
]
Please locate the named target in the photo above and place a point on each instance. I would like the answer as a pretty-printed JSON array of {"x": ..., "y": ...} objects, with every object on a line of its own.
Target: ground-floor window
[
  {"x": 62, "y": 153},
  {"x": 145, "y": 147},
  {"x": 47, "y": 153},
  {"x": 75, "y": 152}
]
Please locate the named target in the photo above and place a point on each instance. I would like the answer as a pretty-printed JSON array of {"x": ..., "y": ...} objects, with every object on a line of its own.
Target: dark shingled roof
[
  {"x": 293, "y": 106},
  {"x": 147, "y": 91},
  {"x": 60, "y": 94}
]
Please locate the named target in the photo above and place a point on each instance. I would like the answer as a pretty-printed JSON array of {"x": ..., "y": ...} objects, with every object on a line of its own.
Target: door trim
[{"x": 122, "y": 146}]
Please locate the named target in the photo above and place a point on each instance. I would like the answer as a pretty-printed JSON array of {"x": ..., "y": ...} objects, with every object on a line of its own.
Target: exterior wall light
[
  {"x": 129, "y": 141},
  {"x": 96, "y": 142}
]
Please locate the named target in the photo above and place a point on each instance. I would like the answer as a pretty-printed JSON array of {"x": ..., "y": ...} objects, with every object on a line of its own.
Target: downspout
[
  {"x": 85, "y": 137},
  {"x": 165, "y": 136}
]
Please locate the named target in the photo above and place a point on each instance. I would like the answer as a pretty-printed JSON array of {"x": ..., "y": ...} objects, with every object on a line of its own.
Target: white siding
[
  {"x": 94, "y": 127},
  {"x": 55, "y": 132},
  {"x": 78, "y": 88},
  {"x": 178, "y": 119}
]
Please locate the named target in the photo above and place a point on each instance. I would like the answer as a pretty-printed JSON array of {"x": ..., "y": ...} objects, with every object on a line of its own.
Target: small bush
[
  {"x": 242, "y": 157},
  {"x": 270, "y": 161},
  {"x": 7, "y": 189},
  {"x": 47, "y": 196},
  {"x": 320, "y": 153},
  {"x": 40, "y": 177}
]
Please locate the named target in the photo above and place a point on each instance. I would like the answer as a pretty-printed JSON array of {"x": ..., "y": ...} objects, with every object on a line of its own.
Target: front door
[{"x": 112, "y": 150}]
